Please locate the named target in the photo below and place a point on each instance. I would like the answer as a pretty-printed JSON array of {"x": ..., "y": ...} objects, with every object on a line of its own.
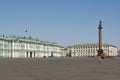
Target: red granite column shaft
[
  {"x": 100, "y": 51},
  {"x": 100, "y": 36}
]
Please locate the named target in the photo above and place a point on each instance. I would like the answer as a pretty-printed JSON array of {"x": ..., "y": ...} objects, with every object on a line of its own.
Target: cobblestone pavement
[{"x": 59, "y": 69}]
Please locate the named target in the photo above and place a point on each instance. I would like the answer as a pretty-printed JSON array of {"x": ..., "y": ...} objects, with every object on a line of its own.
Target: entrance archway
[
  {"x": 30, "y": 54},
  {"x": 26, "y": 54}
]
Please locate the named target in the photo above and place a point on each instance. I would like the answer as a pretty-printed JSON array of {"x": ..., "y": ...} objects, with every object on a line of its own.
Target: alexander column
[{"x": 100, "y": 51}]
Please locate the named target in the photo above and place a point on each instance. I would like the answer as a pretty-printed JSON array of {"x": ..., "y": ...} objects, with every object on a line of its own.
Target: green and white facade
[
  {"x": 91, "y": 50},
  {"x": 21, "y": 47}
]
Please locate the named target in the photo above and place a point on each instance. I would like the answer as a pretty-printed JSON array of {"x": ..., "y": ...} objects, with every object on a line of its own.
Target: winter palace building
[
  {"x": 91, "y": 50},
  {"x": 22, "y": 47}
]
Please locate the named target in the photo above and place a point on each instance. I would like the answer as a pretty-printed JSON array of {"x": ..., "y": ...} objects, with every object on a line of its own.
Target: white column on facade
[
  {"x": 25, "y": 50},
  {"x": 13, "y": 53},
  {"x": 3, "y": 49}
]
